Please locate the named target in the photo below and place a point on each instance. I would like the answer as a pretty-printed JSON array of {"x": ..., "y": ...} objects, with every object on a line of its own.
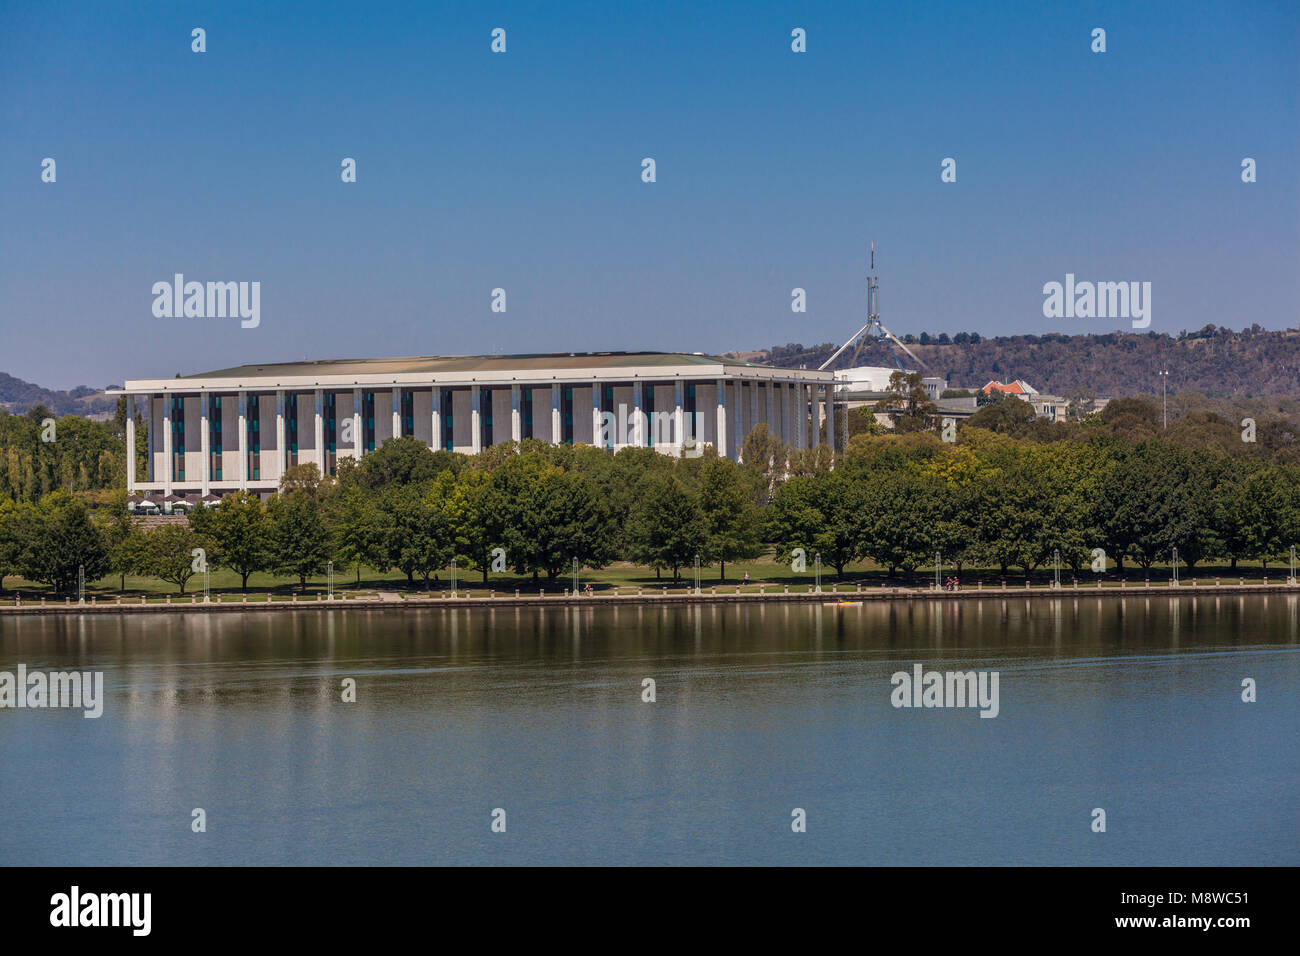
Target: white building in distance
[
  {"x": 874, "y": 380},
  {"x": 241, "y": 428}
]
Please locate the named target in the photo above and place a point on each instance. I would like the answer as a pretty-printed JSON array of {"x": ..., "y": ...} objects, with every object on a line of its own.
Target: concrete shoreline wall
[{"x": 656, "y": 597}]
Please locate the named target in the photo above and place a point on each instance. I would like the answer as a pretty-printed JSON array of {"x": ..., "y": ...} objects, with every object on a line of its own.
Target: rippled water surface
[{"x": 1132, "y": 706}]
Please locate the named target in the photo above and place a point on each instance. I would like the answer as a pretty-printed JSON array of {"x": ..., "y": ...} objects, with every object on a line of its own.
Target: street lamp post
[{"x": 1164, "y": 379}]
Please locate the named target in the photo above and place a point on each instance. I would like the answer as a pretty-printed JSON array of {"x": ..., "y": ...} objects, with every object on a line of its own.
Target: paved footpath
[{"x": 835, "y": 596}]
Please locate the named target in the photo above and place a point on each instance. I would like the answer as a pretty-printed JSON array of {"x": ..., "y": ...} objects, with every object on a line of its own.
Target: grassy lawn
[{"x": 763, "y": 571}]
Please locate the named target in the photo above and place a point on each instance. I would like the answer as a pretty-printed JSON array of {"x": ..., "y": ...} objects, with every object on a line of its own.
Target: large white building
[
  {"x": 874, "y": 379},
  {"x": 240, "y": 428}
]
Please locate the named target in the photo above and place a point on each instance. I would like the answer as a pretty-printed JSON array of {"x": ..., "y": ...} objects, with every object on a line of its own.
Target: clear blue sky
[{"x": 522, "y": 171}]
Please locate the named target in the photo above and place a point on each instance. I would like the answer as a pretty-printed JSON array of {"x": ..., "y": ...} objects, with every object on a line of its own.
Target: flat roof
[
  {"x": 452, "y": 369},
  {"x": 470, "y": 363}
]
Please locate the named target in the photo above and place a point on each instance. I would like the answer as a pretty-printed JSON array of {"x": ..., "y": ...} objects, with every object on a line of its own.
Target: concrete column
[
  {"x": 319, "y": 431},
  {"x": 836, "y": 438},
  {"x": 595, "y": 415},
  {"x": 815, "y": 418},
  {"x": 830, "y": 416},
  {"x": 555, "y": 414},
  {"x": 167, "y": 444},
  {"x": 738, "y": 413},
  {"x": 753, "y": 404},
  {"x": 778, "y": 412},
  {"x": 721, "y": 431},
  {"x": 516, "y": 418},
  {"x": 130, "y": 444},
  {"x": 435, "y": 434},
  {"x": 358, "y": 433},
  {"x": 679, "y": 424},
  {"x": 205, "y": 449},
  {"x": 243, "y": 440},
  {"x": 805, "y": 402},
  {"x": 475, "y": 422},
  {"x": 397, "y": 413},
  {"x": 638, "y": 423},
  {"x": 281, "y": 453},
  {"x": 771, "y": 409},
  {"x": 152, "y": 440}
]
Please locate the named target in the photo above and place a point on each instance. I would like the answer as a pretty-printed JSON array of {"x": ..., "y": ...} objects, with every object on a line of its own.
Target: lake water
[{"x": 1131, "y": 706}]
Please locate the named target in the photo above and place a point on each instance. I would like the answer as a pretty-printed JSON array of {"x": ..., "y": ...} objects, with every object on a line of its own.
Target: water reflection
[{"x": 1131, "y": 703}]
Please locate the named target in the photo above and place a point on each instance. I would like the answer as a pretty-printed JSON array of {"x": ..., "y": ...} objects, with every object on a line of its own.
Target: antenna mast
[
  {"x": 873, "y": 291},
  {"x": 873, "y": 322}
]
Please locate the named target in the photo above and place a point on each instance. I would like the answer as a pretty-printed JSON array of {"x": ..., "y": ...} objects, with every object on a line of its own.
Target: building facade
[{"x": 242, "y": 428}]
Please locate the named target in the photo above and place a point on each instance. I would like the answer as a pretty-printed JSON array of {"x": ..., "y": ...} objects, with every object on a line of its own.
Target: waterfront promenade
[{"x": 830, "y": 594}]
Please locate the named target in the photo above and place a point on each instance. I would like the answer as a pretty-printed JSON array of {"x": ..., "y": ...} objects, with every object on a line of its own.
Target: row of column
[{"x": 795, "y": 427}]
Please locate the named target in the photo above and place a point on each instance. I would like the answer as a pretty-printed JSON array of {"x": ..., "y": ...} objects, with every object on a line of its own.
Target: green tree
[
  {"x": 402, "y": 461},
  {"x": 239, "y": 532},
  {"x": 902, "y": 519},
  {"x": 123, "y": 539},
  {"x": 475, "y": 512},
  {"x": 61, "y": 538},
  {"x": 299, "y": 541},
  {"x": 420, "y": 539},
  {"x": 1008, "y": 416},
  {"x": 765, "y": 457},
  {"x": 823, "y": 514},
  {"x": 304, "y": 479},
  {"x": 730, "y": 519},
  {"x": 572, "y": 522},
  {"x": 11, "y": 539},
  {"x": 909, "y": 403},
  {"x": 361, "y": 531},
  {"x": 666, "y": 528},
  {"x": 168, "y": 553}
]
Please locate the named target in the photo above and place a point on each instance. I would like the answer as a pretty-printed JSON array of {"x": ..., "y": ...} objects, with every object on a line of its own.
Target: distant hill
[
  {"x": 1215, "y": 362},
  {"x": 18, "y": 396}
]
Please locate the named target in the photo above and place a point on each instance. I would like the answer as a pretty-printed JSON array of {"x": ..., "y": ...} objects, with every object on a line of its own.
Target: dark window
[
  {"x": 648, "y": 413},
  {"x": 408, "y": 413},
  {"x": 688, "y": 408},
  {"x": 331, "y": 432},
  {"x": 214, "y": 437},
  {"x": 291, "y": 427},
  {"x": 607, "y": 405},
  {"x": 526, "y": 412},
  {"x": 255, "y": 436},
  {"x": 566, "y": 415},
  {"x": 368, "y": 420},
  {"x": 485, "y": 417},
  {"x": 178, "y": 437},
  {"x": 448, "y": 421}
]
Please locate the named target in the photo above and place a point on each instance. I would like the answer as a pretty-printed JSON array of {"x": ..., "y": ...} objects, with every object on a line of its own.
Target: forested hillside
[
  {"x": 18, "y": 396},
  {"x": 1216, "y": 362}
]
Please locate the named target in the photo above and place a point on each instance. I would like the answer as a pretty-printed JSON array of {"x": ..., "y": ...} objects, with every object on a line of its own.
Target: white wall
[
  {"x": 422, "y": 404},
  {"x": 462, "y": 408},
  {"x": 501, "y": 416},
  {"x": 384, "y": 415},
  {"x": 583, "y": 420}
]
